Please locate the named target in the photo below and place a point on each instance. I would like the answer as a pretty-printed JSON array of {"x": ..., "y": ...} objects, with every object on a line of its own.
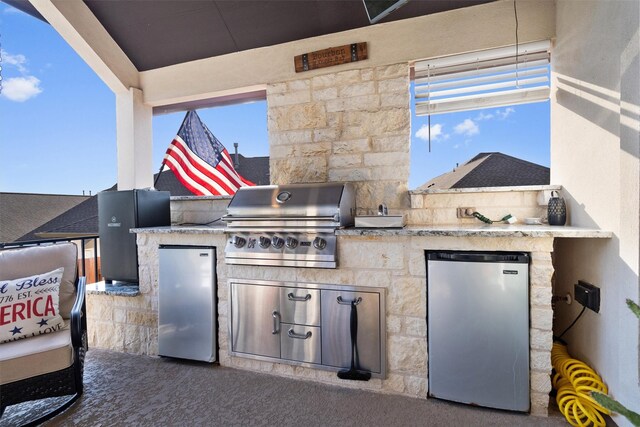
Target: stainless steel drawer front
[
  {"x": 300, "y": 343},
  {"x": 305, "y": 325},
  {"x": 301, "y": 306}
]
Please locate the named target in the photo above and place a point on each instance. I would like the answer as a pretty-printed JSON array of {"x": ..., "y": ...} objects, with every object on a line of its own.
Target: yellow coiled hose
[{"x": 574, "y": 381}]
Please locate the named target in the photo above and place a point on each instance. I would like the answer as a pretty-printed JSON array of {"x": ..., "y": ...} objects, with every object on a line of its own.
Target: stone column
[{"x": 350, "y": 126}]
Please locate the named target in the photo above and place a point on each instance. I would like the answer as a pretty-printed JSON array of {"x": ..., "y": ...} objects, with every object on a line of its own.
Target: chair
[{"x": 52, "y": 364}]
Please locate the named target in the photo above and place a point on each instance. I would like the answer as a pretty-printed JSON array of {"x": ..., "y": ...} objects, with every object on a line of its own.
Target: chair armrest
[{"x": 77, "y": 314}]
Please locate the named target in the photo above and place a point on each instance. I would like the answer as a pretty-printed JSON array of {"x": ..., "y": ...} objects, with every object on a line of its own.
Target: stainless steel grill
[{"x": 288, "y": 225}]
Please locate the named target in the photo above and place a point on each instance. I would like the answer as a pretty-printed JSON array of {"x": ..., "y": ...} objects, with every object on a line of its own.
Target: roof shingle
[
  {"x": 21, "y": 212},
  {"x": 491, "y": 170},
  {"x": 83, "y": 218}
]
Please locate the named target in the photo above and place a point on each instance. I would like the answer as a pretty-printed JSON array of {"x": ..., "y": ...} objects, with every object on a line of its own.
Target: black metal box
[{"x": 118, "y": 212}]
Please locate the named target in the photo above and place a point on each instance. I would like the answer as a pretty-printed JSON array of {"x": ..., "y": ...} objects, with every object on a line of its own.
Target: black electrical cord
[
  {"x": 204, "y": 223},
  {"x": 571, "y": 325},
  {"x": 490, "y": 221}
]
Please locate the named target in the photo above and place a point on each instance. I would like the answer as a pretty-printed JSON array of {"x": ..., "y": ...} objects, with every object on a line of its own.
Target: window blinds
[{"x": 488, "y": 78}]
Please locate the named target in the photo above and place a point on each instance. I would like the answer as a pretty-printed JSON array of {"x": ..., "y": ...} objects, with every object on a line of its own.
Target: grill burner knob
[
  {"x": 265, "y": 242},
  {"x": 238, "y": 241},
  {"x": 319, "y": 243},
  {"x": 292, "y": 243},
  {"x": 277, "y": 242}
]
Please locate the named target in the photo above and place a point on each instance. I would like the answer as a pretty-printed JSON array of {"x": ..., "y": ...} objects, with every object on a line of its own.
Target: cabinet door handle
[
  {"x": 298, "y": 336},
  {"x": 354, "y": 302},
  {"x": 276, "y": 322},
  {"x": 292, "y": 297}
]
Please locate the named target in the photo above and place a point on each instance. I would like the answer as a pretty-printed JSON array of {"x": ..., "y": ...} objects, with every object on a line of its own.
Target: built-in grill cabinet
[{"x": 307, "y": 324}]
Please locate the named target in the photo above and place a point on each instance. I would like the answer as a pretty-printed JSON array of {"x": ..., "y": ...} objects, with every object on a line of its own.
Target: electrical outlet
[
  {"x": 465, "y": 212},
  {"x": 587, "y": 295}
]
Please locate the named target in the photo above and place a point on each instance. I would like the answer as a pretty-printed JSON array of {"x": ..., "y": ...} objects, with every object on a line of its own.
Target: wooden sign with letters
[{"x": 330, "y": 57}]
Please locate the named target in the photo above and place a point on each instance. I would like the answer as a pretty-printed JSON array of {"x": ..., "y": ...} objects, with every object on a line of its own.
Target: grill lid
[{"x": 318, "y": 205}]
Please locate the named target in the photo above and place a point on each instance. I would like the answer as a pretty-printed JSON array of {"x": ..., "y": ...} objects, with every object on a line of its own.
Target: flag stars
[
  {"x": 16, "y": 330},
  {"x": 43, "y": 322}
]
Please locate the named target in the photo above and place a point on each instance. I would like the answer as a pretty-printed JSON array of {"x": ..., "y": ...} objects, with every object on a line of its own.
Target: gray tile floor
[{"x": 127, "y": 390}]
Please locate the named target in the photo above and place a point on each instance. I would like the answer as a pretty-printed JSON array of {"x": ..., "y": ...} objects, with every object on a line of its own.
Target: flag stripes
[
  {"x": 200, "y": 177},
  {"x": 200, "y": 162}
]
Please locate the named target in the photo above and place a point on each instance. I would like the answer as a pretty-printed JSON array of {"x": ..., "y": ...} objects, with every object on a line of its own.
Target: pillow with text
[{"x": 29, "y": 306}]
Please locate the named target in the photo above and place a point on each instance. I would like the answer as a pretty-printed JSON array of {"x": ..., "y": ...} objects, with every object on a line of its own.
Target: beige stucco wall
[
  {"x": 462, "y": 30},
  {"x": 595, "y": 138}
]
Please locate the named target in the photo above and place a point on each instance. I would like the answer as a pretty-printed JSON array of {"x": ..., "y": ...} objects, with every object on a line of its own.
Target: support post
[{"x": 134, "y": 136}]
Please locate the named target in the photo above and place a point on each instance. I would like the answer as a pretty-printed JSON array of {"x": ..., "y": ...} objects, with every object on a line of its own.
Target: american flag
[{"x": 201, "y": 162}]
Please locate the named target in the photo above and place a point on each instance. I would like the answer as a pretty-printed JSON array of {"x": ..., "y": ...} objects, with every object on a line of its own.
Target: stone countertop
[
  {"x": 117, "y": 289},
  {"x": 492, "y": 230},
  {"x": 486, "y": 189},
  {"x": 183, "y": 229}
]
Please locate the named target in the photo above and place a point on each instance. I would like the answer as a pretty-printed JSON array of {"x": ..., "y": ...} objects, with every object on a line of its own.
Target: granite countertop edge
[
  {"x": 100, "y": 288},
  {"x": 515, "y": 230},
  {"x": 538, "y": 231},
  {"x": 181, "y": 229}
]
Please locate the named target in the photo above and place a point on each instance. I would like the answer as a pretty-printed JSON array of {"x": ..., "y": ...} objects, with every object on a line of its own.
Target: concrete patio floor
[{"x": 128, "y": 390}]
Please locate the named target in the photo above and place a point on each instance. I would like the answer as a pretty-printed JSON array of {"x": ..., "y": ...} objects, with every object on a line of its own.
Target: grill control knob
[
  {"x": 291, "y": 242},
  {"x": 319, "y": 243},
  {"x": 238, "y": 241},
  {"x": 265, "y": 242},
  {"x": 277, "y": 242}
]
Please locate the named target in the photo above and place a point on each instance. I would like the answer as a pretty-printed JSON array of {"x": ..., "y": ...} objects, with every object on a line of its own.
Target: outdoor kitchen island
[{"x": 392, "y": 260}]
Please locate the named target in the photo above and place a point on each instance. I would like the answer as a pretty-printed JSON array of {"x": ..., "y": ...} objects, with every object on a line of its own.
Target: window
[{"x": 487, "y": 108}]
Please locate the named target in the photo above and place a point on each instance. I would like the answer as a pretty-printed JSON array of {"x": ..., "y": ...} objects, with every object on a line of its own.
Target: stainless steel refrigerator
[
  {"x": 187, "y": 315},
  {"x": 478, "y": 328}
]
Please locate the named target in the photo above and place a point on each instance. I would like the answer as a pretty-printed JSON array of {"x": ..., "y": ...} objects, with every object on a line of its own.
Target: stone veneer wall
[
  {"x": 439, "y": 208},
  {"x": 198, "y": 210},
  {"x": 347, "y": 126},
  {"x": 130, "y": 324},
  {"x": 394, "y": 263},
  {"x": 427, "y": 208}
]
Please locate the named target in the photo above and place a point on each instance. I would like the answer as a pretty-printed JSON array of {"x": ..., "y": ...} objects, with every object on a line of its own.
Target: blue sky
[
  {"x": 57, "y": 122},
  {"x": 521, "y": 131}
]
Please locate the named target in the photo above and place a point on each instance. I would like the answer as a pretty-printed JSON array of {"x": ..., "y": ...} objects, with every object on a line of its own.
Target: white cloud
[
  {"x": 483, "y": 116},
  {"x": 17, "y": 61},
  {"x": 503, "y": 114},
  {"x": 436, "y": 132},
  {"x": 467, "y": 128},
  {"x": 20, "y": 89}
]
